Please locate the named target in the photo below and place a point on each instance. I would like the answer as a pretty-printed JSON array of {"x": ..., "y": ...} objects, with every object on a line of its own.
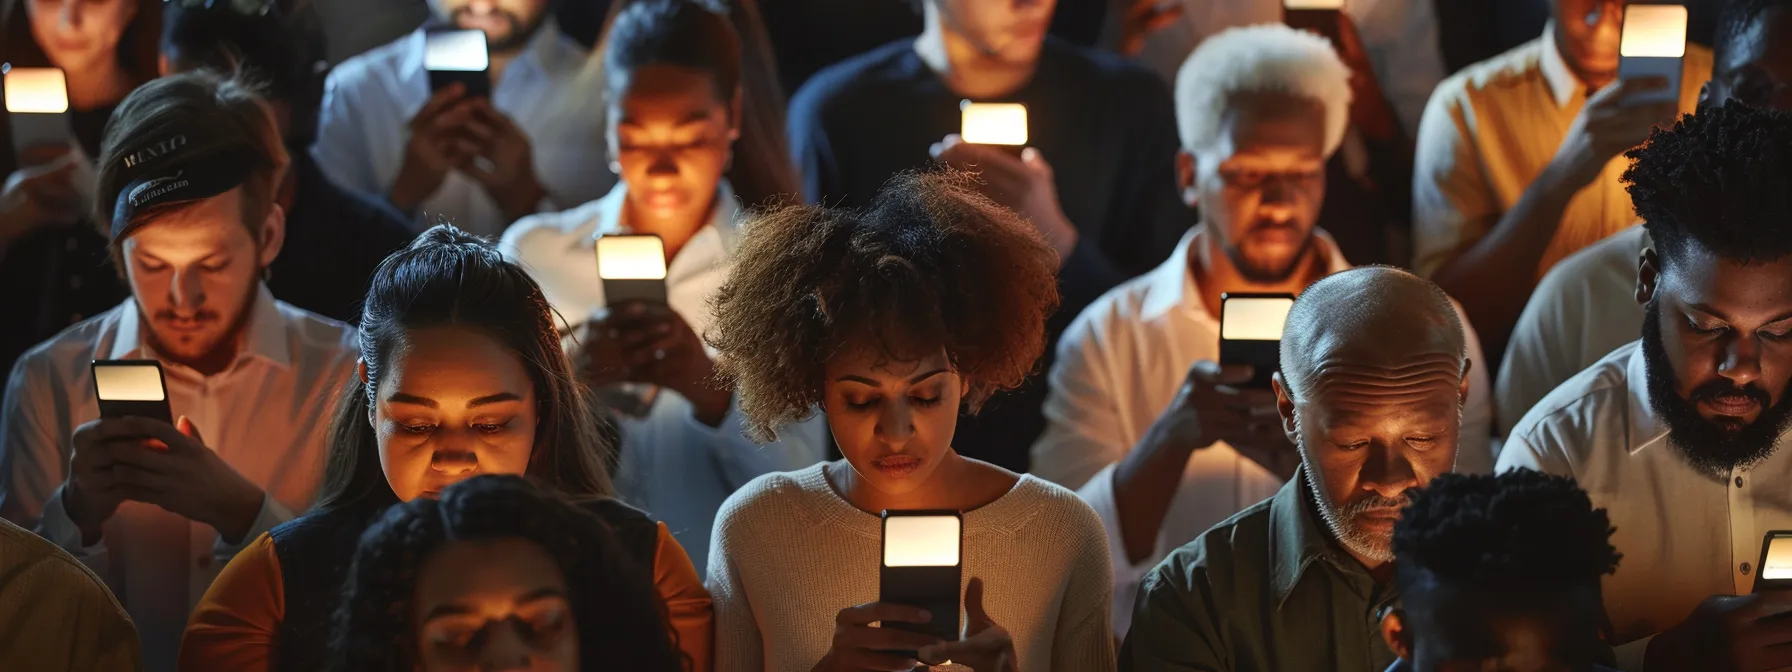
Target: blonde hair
[{"x": 1268, "y": 58}]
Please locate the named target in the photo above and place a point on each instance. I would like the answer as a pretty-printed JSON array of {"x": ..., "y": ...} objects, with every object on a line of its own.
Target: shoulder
[
  {"x": 1566, "y": 419},
  {"x": 1118, "y": 309},
  {"x": 536, "y": 234},
  {"x": 777, "y": 498},
  {"x": 1515, "y": 67},
  {"x": 59, "y": 361},
  {"x": 323, "y": 528},
  {"x": 27, "y": 559},
  {"x": 1059, "y": 509},
  {"x": 1219, "y": 556},
  {"x": 1597, "y": 270},
  {"x": 1107, "y": 71},
  {"x": 365, "y": 71},
  {"x": 841, "y": 84},
  {"x": 316, "y": 335}
]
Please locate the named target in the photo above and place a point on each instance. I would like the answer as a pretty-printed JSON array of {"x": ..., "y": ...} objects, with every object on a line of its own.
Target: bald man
[{"x": 1374, "y": 372}]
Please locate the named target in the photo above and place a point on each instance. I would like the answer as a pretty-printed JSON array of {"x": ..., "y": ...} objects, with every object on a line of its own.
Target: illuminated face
[
  {"x": 454, "y": 403},
  {"x": 1006, "y": 31},
  {"x": 893, "y": 420},
  {"x": 1368, "y": 433},
  {"x": 195, "y": 272},
  {"x": 1588, "y": 32},
  {"x": 494, "y": 605},
  {"x": 672, "y": 136},
  {"x": 1260, "y": 187},
  {"x": 508, "y": 24},
  {"x": 81, "y": 36},
  {"x": 1756, "y": 65}
]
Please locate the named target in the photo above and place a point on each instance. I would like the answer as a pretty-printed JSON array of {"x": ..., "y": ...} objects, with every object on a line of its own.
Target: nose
[
  {"x": 1741, "y": 363},
  {"x": 186, "y": 291},
  {"x": 896, "y": 425},
  {"x": 504, "y": 650},
  {"x": 1388, "y": 471},
  {"x": 664, "y": 165},
  {"x": 454, "y": 461}
]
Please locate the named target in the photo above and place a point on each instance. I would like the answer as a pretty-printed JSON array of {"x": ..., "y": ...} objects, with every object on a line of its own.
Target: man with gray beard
[{"x": 1374, "y": 373}]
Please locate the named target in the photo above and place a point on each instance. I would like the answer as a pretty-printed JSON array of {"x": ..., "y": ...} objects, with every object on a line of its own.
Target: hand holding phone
[{"x": 458, "y": 56}]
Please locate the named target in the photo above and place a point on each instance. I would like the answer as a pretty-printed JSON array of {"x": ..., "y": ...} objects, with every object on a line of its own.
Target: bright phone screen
[
  {"x": 1254, "y": 318},
  {"x": 921, "y": 541},
  {"x": 1653, "y": 31},
  {"x": 1779, "y": 558},
  {"x": 36, "y": 90},
  {"x": 124, "y": 382},
  {"x": 631, "y": 258},
  {"x": 456, "y": 50},
  {"x": 994, "y": 123}
]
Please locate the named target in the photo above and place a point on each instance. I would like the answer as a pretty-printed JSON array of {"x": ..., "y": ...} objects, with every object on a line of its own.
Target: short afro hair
[
  {"x": 1268, "y": 58},
  {"x": 931, "y": 263},
  {"x": 1521, "y": 530},
  {"x": 1719, "y": 179}
]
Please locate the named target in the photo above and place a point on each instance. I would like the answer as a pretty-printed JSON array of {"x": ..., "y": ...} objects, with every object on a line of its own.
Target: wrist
[
  {"x": 80, "y": 513},
  {"x": 237, "y": 512},
  {"x": 522, "y": 198}
]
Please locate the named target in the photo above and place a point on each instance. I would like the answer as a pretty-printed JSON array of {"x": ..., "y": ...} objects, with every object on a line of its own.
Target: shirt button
[
  {"x": 1738, "y": 481},
  {"x": 205, "y": 562},
  {"x": 1745, "y": 568}
]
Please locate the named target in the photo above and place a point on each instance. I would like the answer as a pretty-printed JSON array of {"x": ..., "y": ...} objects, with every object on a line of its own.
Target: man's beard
[
  {"x": 1341, "y": 520},
  {"x": 1715, "y": 448},
  {"x": 200, "y": 351},
  {"x": 513, "y": 39},
  {"x": 1264, "y": 273}
]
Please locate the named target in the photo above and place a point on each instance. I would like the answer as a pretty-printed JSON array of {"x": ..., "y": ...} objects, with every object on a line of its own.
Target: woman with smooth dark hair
[
  {"x": 461, "y": 374},
  {"x": 497, "y": 574},
  {"x": 893, "y": 320}
]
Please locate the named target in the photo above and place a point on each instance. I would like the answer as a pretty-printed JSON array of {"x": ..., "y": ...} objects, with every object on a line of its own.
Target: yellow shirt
[
  {"x": 55, "y": 614},
  {"x": 1490, "y": 130}
]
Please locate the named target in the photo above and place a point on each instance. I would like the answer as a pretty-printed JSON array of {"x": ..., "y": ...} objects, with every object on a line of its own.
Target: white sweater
[{"x": 789, "y": 553}]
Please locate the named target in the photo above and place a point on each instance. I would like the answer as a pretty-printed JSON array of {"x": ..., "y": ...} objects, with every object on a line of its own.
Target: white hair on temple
[{"x": 1267, "y": 58}]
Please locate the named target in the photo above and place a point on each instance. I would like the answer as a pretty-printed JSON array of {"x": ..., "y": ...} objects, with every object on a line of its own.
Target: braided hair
[
  {"x": 1521, "y": 530},
  {"x": 620, "y": 621}
]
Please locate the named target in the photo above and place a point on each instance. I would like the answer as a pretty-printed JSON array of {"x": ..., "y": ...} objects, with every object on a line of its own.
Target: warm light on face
[
  {"x": 631, "y": 258},
  {"x": 921, "y": 541},
  {"x": 1313, "y": 4},
  {"x": 126, "y": 382},
  {"x": 1779, "y": 558},
  {"x": 36, "y": 90},
  {"x": 1654, "y": 31},
  {"x": 1254, "y": 319},
  {"x": 994, "y": 123},
  {"x": 456, "y": 50}
]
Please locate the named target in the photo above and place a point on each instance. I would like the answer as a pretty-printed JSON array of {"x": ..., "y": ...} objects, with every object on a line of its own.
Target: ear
[
  {"x": 163, "y": 68},
  {"x": 1393, "y": 631},
  {"x": 1284, "y": 406},
  {"x": 273, "y": 236},
  {"x": 1704, "y": 95},
  {"x": 1648, "y": 275},
  {"x": 1462, "y": 390},
  {"x": 1185, "y": 178},
  {"x": 361, "y": 375},
  {"x": 734, "y": 116}
]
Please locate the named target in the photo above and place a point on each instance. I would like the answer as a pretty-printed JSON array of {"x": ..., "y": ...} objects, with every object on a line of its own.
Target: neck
[
  {"x": 675, "y": 233},
  {"x": 98, "y": 88},
  {"x": 962, "y": 64},
  {"x": 1216, "y": 274},
  {"x": 945, "y": 488}
]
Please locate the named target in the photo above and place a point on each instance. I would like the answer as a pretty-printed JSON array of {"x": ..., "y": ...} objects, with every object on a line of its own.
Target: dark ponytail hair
[
  {"x": 448, "y": 277},
  {"x": 621, "y": 623}
]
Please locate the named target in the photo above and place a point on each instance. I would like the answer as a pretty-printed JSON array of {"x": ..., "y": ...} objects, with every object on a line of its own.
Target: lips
[
  {"x": 1732, "y": 404},
  {"x": 897, "y": 466}
]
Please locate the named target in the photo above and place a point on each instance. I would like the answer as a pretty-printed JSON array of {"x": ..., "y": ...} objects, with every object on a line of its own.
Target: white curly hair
[{"x": 1266, "y": 58}]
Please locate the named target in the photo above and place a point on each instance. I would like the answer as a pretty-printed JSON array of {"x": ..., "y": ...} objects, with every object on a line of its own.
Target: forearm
[
  {"x": 1494, "y": 277},
  {"x": 1144, "y": 483}
]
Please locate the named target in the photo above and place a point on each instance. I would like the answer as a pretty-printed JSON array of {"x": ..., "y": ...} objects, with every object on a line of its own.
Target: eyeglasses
[{"x": 238, "y": 7}]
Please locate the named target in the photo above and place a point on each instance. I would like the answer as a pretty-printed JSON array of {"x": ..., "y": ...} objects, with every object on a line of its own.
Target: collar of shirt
[
  {"x": 1172, "y": 287},
  {"x": 265, "y": 337},
  {"x": 549, "y": 53},
  {"x": 1297, "y": 541},
  {"x": 1563, "y": 83},
  {"x": 1645, "y": 429}
]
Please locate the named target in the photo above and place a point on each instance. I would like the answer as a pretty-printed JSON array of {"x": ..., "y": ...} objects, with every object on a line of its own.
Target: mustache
[
  {"x": 1373, "y": 502},
  {"x": 204, "y": 315},
  {"x": 1724, "y": 388}
]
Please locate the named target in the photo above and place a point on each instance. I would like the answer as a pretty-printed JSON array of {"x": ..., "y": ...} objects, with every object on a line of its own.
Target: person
[
  {"x": 1689, "y": 422},
  {"x": 1098, "y": 185},
  {"x": 482, "y": 162},
  {"x": 1500, "y": 572},
  {"x": 1518, "y": 160},
  {"x": 334, "y": 237},
  {"x": 47, "y": 239},
  {"x": 1582, "y": 308},
  {"x": 57, "y": 615},
  {"x": 890, "y": 319},
  {"x": 460, "y": 375},
  {"x": 674, "y": 74},
  {"x": 1127, "y": 419},
  {"x": 1370, "y": 390},
  {"x": 497, "y": 574},
  {"x": 187, "y": 171}
]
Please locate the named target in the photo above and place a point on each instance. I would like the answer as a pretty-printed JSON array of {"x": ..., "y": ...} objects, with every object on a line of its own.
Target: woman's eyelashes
[
  {"x": 867, "y": 403},
  {"x": 480, "y": 426}
]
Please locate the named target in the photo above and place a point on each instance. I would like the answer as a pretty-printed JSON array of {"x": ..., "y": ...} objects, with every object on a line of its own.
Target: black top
[
  {"x": 316, "y": 550},
  {"x": 1107, "y": 127},
  {"x": 335, "y": 239}
]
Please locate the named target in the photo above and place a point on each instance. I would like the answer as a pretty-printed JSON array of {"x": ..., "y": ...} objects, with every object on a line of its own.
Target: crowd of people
[{"x": 1528, "y": 412}]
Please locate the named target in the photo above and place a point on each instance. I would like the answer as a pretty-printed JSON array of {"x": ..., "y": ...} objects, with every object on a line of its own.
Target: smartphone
[
  {"x": 1652, "y": 45},
  {"x": 632, "y": 267},
  {"x": 1775, "y": 570},
  {"x": 1251, "y": 332},
  {"x": 923, "y": 567},
  {"x": 37, "y": 107},
  {"x": 131, "y": 388},
  {"x": 1316, "y": 16},
  {"x": 458, "y": 56},
  {"x": 1001, "y": 125}
]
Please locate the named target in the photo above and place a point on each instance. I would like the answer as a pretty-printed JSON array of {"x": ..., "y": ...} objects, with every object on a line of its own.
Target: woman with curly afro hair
[
  {"x": 893, "y": 319},
  {"x": 498, "y": 575}
]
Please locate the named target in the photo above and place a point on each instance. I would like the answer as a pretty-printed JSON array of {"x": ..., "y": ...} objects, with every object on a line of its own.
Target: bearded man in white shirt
[
  {"x": 187, "y": 174},
  {"x": 1682, "y": 436},
  {"x": 1157, "y": 437},
  {"x": 480, "y": 161}
]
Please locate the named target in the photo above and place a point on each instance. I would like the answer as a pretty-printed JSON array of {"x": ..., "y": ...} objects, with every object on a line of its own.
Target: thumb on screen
[{"x": 186, "y": 426}]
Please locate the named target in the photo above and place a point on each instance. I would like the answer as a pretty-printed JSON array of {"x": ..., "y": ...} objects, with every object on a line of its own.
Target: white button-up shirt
[
  {"x": 1583, "y": 309},
  {"x": 369, "y": 101},
  {"x": 1399, "y": 35},
  {"x": 1685, "y": 535},
  {"x": 1120, "y": 364},
  {"x": 673, "y": 466},
  {"x": 267, "y": 416}
]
